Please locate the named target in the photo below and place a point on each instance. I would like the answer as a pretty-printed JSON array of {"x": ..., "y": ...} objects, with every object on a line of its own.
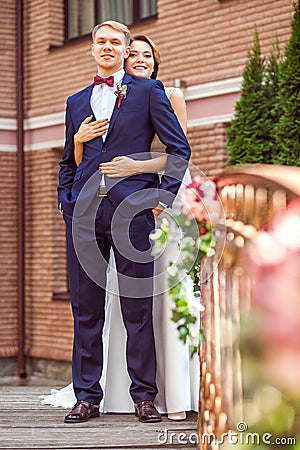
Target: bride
[{"x": 177, "y": 374}]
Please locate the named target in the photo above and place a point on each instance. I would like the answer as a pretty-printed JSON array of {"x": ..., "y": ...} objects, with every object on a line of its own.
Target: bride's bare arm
[
  {"x": 87, "y": 131},
  {"x": 178, "y": 103},
  {"x": 123, "y": 166}
]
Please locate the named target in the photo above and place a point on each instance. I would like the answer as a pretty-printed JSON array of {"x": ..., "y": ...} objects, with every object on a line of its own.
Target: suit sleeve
[
  {"x": 169, "y": 131},
  {"x": 68, "y": 165}
]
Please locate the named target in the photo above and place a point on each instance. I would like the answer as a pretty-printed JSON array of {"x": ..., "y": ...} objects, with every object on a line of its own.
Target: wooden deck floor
[{"x": 26, "y": 424}]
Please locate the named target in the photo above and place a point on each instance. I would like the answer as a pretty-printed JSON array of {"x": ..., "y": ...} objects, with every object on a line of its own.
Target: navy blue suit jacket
[{"x": 145, "y": 111}]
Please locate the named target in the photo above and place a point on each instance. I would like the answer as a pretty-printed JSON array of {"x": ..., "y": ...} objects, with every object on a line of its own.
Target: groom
[{"x": 100, "y": 213}]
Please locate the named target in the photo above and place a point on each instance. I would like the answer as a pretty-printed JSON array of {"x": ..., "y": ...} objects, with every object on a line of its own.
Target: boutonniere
[{"x": 121, "y": 93}]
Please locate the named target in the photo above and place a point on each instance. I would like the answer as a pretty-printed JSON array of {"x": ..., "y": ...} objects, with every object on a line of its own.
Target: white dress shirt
[{"x": 103, "y": 100}]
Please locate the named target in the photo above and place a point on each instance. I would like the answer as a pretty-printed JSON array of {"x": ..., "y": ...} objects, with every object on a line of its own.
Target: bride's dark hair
[{"x": 155, "y": 52}]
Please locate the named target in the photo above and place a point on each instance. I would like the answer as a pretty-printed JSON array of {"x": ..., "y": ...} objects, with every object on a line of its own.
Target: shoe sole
[
  {"x": 150, "y": 420},
  {"x": 92, "y": 416}
]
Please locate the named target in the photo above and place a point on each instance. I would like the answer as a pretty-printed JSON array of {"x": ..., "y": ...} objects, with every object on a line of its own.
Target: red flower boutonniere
[{"x": 121, "y": 93}]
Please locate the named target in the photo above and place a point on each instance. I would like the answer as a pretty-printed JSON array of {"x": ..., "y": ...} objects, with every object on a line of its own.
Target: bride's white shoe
[{"x": 177, "y": 415}]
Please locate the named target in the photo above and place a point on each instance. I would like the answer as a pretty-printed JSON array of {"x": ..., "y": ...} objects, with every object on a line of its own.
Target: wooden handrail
[
  {"x": 251, "y": 195},
  {"x": 263, "y": 175}
]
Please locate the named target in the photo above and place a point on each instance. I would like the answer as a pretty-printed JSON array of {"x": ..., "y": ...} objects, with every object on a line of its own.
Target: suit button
[{"x": 104, "y": 150}]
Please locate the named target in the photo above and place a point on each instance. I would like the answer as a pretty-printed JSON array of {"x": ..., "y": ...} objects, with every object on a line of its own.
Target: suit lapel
[
  {"x": 116, "y": 111},
  {"x": 87, "y": 101},
  {"x": 88, "y": 110}
]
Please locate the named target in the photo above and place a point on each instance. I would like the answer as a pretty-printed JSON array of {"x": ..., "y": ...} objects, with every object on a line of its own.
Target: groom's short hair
[{"x": 118, "y": 26}]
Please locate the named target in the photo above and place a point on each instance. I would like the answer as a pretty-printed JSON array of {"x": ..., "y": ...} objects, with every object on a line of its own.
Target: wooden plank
[{"x": 26, "y": 424}]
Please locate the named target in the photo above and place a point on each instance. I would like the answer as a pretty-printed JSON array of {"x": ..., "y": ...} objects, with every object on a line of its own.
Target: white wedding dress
[{"x": 178, "y": 375}]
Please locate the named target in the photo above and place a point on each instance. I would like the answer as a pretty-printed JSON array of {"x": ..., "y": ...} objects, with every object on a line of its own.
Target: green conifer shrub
[
  {"x": 287, "y": 130},
  {"x": 245, "y": 136}
]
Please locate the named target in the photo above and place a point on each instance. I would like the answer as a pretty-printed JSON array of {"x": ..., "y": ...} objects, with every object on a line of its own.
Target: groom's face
[{"x": 109, "y": 50}]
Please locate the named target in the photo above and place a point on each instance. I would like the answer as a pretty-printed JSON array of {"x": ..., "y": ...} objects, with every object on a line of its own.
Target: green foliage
[
  {"x": 287, "y": 130},
  {"x": 185, "y": 318},
  {"x": 193, "y": 250},
  {"x": 195, "y": 238},
  {"x": 272, "y": 109},
  {"x": 246, "y": 135},
  {"x": 266, "y": 126}
]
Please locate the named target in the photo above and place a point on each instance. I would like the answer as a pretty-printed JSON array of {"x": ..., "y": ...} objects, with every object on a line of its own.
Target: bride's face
[{"x": 140, "y": 61}]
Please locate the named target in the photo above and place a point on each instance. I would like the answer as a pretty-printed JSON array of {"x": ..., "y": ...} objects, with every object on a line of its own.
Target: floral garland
[{"x": 200, "y": 209}]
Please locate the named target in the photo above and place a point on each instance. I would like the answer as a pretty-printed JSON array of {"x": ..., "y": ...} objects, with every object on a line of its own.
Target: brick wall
[
  {"x": 200, "y": 41},
  {"x": 204, "y": 40},
  {"x": 208, "y": 144},
  {"x": 208, "y": 40},
  {"x": 8, "y": 59},
  {"x": 8, "y": 259},
  {"x": 48, "y": 322}
]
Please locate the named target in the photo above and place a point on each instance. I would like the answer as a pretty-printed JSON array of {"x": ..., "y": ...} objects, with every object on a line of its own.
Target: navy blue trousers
[{"x": 89, "y": 241}]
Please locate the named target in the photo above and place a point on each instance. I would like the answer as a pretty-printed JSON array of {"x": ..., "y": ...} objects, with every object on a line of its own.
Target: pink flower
[{"x": 200, "y": 200}]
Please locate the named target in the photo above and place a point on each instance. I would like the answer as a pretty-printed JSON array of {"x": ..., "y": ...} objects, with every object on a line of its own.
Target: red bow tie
[{"x": 100, "y": 80}]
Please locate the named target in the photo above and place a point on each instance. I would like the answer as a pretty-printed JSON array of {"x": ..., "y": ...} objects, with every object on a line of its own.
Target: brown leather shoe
[
  {"x": 82, "y": 412},
  {"x": 146, "y": 412}
]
